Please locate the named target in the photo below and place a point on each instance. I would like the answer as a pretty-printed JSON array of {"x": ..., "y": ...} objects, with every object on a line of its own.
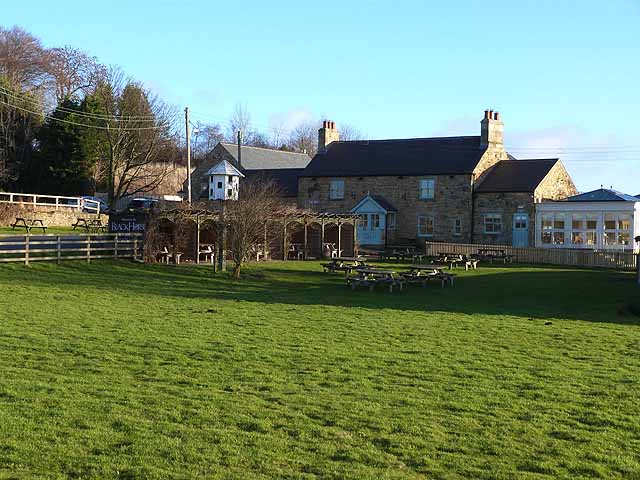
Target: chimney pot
[
  {"x": 486, "y": 114},
  {"x": 490, "y": 114},
  {"x": 496, "y": 116}
]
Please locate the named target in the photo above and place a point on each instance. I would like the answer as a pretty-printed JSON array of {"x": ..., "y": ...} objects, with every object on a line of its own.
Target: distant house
[
  {"x": 601, "y": 219},
  {"x": 283, "y": 167},
  {"x": 449, "y": 189}
]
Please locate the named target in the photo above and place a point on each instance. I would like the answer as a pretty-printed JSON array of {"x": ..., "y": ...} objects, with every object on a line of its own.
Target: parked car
[
  {"x": 142, "y": 204},
  {"x": 104, "y": 207}
]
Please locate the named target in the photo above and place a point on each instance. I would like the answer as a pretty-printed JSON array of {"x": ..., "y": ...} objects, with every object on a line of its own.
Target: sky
[{"x": 564, "y": 74}]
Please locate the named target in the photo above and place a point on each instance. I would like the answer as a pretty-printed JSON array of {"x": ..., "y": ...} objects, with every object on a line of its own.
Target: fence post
[
  {"x": 115, "y": 247},
  {"x": 58, "y": 249},
  {"x": 135, "y": 247},
  {"x": 88, "y": 248},
  {"x": 26, "y": 249}
]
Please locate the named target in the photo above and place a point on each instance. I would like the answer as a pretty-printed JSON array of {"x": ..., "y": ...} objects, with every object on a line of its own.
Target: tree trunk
[{"x": 236, "y": 271}]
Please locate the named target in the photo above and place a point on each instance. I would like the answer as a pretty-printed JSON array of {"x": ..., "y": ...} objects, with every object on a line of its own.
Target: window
[
  {"x": 583, "y": 229},
  {"x": 457, "y": 227},
  {"x": 493, "y": 223},
  {"x": 230, "y": 192},
  {"x": 219, "y": 184},
  {"x": 336, "y": 189},
  {"x": 425, "y": 225},
  {"x": 427, "y": 189},
  {"x": 391, "y": 220},
  {"x": 375, "y": 221},
  {"x": 365, "y": 222},
  {"x": 617, "y": 229}
]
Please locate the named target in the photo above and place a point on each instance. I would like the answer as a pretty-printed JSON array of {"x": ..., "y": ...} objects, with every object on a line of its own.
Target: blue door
[
  {"x": 521, "y": 230},
  {"x": 371, "y": 229}
]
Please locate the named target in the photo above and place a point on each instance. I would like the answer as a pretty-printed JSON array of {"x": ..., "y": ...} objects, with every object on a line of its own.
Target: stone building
[
  {"x": 280, "y": 166},
  {"x": 449, "y": 189}
]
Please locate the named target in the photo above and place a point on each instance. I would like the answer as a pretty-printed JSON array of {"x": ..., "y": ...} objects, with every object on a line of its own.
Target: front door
[
  {"x": 371, "y": 229},
  {"x": 521, "y": 230}
]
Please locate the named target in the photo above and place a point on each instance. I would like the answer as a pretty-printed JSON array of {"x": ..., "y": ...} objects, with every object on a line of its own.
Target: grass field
[
  {"x": 117, "y": 370},
  {"x": 36, "y": 231}
]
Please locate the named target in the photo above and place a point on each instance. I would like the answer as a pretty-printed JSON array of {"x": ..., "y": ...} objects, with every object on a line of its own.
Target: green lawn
[
  {"x": 38, "y": 231},
  {"x": 118, "y": 370}
]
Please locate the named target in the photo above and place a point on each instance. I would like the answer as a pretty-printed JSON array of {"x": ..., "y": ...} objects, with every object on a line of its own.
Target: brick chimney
[
  {"x": 492, "y": 130},
  {"x": 327, "y": 135}
]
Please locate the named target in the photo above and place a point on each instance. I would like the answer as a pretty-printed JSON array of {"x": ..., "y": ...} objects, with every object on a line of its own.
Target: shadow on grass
[{"x": 532, "y": 292}]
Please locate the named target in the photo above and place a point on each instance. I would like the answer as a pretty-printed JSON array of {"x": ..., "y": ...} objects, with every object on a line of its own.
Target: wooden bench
[
  {"x": 370, "y": 278},
  {"x": 165, "y": 256},
  {"x": 492, "y": 254},
  {"x": 90, "y": 225},
  {"x": 29, "y": 224},
  {"x": 208, "y": 252},
  {"x": 423, "y": 274}
]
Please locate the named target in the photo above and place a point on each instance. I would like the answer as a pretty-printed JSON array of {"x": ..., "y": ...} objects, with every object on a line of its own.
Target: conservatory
[{"x": 603, "y": 219}]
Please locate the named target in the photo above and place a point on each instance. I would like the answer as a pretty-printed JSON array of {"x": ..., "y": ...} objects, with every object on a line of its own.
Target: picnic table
[
  {"x": 399, "y": 252},
  {"x": 456, "y": 259},
  {"x": 492, "y": 254},
  {"x": 422, "y": 274},
  {"x": 296, "y": 251},
  {"x": 207, "y": 250},
  {"x": 370, "y": 277},
  {"x": 165, "y": 256},
  {"x": 90, "y": 224},
  {"x": 28, "y": 224},
  {"x": 344, "y": 264}
]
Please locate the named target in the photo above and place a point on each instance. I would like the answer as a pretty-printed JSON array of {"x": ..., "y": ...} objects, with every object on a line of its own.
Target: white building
[
  {"x": 224, "y": 181},
  {"x": 602, "y": 219}
]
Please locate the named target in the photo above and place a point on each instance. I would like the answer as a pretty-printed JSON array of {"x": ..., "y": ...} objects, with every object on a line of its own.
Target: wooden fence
[
  {"x": 619, "y": 260},
  {"x": 53, "y": 201},
  {"x": 58, "y": 248}
]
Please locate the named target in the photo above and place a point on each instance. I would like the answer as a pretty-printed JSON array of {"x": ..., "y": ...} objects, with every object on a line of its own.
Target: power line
[
  {"x": 49, "y": 117},
  {"x": 99, "y": 116}
]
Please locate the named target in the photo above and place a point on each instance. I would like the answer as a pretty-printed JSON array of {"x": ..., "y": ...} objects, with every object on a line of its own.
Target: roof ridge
[
  {"x": 263, "y": 148},
  {"x": 533, "y": 159},
  {"x": 456, "y": 137}
]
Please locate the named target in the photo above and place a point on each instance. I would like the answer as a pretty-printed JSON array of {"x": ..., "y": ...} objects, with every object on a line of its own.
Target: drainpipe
[
  {"x": 473, "y": 215},
  {"x": 637, "y": 239}
]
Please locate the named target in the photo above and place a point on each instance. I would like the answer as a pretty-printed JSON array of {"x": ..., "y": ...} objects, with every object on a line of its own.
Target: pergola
[
  {"x": 201, "y": 217},
  {"x": 306, "y": 219}
]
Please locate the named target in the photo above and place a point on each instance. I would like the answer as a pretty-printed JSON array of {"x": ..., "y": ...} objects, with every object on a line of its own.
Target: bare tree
[
  {"x": 304, "y": 138},
  {"x": 72, "y": 71},
  {"x": 22, "y": 59},
  {"x": 251, "y": 218},
  {"x": 207, "y": 137},
  {"x": 240, "y": 120},
  {"x": 136, "y": 133},
  {"x": 17, "y": 130},
  {"x": 349, "y": 132}
]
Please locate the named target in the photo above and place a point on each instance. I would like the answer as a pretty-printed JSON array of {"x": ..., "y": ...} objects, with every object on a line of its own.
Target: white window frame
[
  {"x": 457, "y": 227},
  {"x": 426, "y": 218},
  {"x": 427, "y": 188},
  {"x": 336, "y": 189},
  {"x": 392, "y": 218},
  {"x": 493, "y": 231}
]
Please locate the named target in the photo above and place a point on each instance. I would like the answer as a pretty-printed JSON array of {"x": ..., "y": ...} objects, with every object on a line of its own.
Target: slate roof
[
  {"x": 286, "y": 178},
  {"x": 384, "y": 203},
  {"x": 224, "y": 168},
  {"x": 603, "y": 195},
  {"x": 404, "y": 157},
  {"x": 254, "y": 158},
  {"x": 516, "y": 175}
]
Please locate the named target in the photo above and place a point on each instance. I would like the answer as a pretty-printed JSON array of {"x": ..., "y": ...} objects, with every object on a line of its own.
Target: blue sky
[{"x": 564, "y": 74}]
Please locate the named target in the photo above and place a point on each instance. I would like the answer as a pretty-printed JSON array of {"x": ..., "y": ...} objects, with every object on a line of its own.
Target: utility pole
[
  {"x": 188, "y": 133},
  {"x": 240, "y": 148}
]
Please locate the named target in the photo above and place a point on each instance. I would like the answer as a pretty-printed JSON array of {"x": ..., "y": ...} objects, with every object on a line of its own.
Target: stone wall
[
  {"x": 557, "y": 185},
  {"x": 63, "y": 217},
  {"x": 506, "y": 204},
  {"x": 452, "y": 200}
]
